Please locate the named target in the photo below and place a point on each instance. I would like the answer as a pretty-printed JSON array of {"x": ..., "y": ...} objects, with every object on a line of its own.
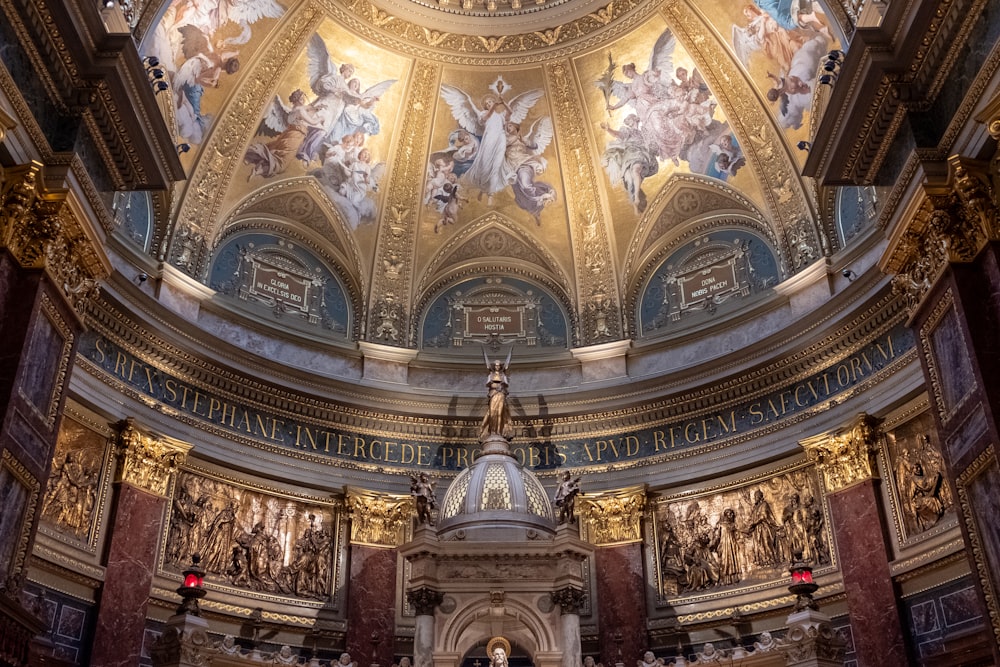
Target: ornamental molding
[
  {"x": 570, "y": 599},
  {"x": 147, "y": 462},
  {"x": 614, "y": 517},
  {"x": 379, "y": 519},
  {"x": 847, "y": 457},
  {"x": 41, "y": 231}
]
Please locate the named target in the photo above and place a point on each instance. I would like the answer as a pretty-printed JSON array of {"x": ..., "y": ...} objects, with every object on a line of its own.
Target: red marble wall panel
[
  {"x": 621, "y": 602},
  {"x": 864, "y": 563},
  {"x": 371, "y": 605},
  {"x": 121, "y": 616}
]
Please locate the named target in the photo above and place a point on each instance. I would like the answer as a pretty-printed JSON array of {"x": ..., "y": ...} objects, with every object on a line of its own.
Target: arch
[{"x": 522, "y": 623}]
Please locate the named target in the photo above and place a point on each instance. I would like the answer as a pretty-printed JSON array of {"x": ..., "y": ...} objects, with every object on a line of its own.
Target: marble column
[
  {"x": 621, "y": 587},
  {"x": 569, "y": 599},
  {"x": 378, "y": 523},
  {"x": 424, "y": 601},
  {"x": 45, "y": 282},
  {"x": 947, "y": 266},
  {"x": 145, "y": 465},
  {"x": 846, "y": 460}
]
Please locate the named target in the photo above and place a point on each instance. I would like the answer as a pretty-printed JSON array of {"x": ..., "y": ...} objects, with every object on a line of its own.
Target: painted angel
[
  {"x": 289, "y": 126},
  {"x": 488, "y": 122},
  {"x": 203, "y": 66},
  {"x": 523, "y": 161},
  {"x": 245, "y": 13},
  {"x": 341, "y": 105}
]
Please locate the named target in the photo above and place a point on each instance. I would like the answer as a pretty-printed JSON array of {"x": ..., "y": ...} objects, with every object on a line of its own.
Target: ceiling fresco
[{"x": 573, "y": 155}]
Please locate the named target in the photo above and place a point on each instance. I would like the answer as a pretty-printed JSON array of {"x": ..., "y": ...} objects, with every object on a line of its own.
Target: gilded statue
[{"x": 497, "y": 419}]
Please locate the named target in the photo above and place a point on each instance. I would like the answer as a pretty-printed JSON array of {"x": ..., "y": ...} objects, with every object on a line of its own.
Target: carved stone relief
[
  {"x": 252, "y": 540},
  {"x": 739, "y": 536},
  {"x": 923, "y": 494},
  {"x": 70, "y": 500}
]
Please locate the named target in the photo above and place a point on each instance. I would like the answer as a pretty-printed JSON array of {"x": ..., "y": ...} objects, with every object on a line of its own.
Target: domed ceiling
[{"x": 561, "y": 173}]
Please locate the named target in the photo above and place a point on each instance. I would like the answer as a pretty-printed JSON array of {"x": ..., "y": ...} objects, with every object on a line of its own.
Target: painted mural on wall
[
  {"x": 134, "y": 216},
  {"x": 70, "y": 501},
  {"x": 492, "y": 311},
  {"x": 662, "y": 115},
  {"x": 198, "y": 44},
  {"x": 924, "y": 497},
  {"x": 279, "y": 278},
  {"x": 742, "y": 536},
  {"x": 709, "y": 276},
  {"x": 497, "y": 138},
  {"x": 250, "y": 539},
  {"x": 324, "y": 127},
  {"x": 782, "y": 44}
]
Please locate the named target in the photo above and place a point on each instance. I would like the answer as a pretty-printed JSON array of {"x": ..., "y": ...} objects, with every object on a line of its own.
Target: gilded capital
[
  {"x": 378, "y": 519},
  {"x": 614, "y": 517},
  {"x": 846, "y": 457},
  {"x": 145, "y": 461},
  {"x": 40, "y": 231}
]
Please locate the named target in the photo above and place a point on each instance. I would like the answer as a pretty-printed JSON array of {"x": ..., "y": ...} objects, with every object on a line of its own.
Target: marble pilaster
[
  {"x": 570, "y": 599},
  {"x": 43, "y": 279},
  {"x": 621, "y": 602},
  {"x": 144, "y": 469},
  {"x": 846, "y": 461},
  {"x": 371, "y": 605}
]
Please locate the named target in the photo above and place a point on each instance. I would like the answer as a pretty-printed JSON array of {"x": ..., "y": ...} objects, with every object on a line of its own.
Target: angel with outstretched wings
[
  {"x": 203, "y": 66},
  {"x": 245, "y": 13},
  {"x": 523, "y": 160},
  {"x": 489, "y": 123},
  {"x": 357, "y": 115},
  {"x": 497, "y": 421},
  {"x": 289, "y": 125}
]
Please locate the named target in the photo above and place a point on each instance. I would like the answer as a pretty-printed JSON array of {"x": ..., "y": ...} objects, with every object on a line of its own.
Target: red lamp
[
  {"x": 191, "y": 590},
  {"x": 802, "y": 586}
]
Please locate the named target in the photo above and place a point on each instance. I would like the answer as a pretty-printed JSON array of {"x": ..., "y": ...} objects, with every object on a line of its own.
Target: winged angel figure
[
  {"x": 489, "y": 152},
  {"x": 670, "y": 118},
  {"x": 190, "y": 45},
  {"x": 331, "y": 130}
]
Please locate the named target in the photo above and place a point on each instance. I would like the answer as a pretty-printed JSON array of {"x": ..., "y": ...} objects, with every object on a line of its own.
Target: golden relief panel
[
  {"x": 252, "y": 540},
  {"x": 740, "y": 537},
  {"x": 922, "y": 496},
  {"x": 71, "y": 505}
]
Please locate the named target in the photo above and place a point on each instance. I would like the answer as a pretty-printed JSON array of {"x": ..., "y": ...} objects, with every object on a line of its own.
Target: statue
[
  {"x": 565, "y": 498},
  {"x": 345, "y": 661},
  {"x": 422, "y": 490},
  {"x": 498, "y": 649},
  {"x": 284, "y": 656},
  {"x": 497, "y": 418},
  {"x": 649, "y": 659}
]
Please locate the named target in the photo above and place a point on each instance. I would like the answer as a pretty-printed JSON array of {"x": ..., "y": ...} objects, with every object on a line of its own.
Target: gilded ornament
[
  {"x": 147, "y": 462},
  {"x": 613, "y": 517},
  {"x": 845, "y": 458},
  {"x": 378, "y": 520}
]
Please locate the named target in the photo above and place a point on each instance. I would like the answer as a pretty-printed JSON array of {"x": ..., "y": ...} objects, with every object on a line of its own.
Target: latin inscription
[{"x": 328, "y": 440}]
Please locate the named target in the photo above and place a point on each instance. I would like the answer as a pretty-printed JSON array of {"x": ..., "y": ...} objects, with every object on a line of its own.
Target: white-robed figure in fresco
[
  {"x": 670, "y": 117},
  {"x": 341, "y": 105},
  {"x": 490, "y": 129}
]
